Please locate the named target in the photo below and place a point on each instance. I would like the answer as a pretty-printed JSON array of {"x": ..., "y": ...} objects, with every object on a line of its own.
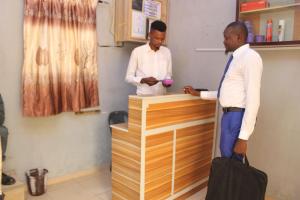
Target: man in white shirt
[
  {"x": 239, "y": 91},
  {"x": 151, "y": 63}
]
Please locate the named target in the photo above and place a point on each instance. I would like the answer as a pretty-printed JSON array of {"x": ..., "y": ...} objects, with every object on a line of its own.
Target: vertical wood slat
[
  {"x": 158, "y": 161},
  {"x": 125, "y": 161},
  {"x": 297, "y": 23},
  {"x": 197, "y": 142},
  {"x": 126, "y": 156}
]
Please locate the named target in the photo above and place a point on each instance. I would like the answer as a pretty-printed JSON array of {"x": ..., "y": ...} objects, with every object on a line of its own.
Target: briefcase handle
[
  {"x": 238, "y": 156},
  {"x": 246, "y": 160}
]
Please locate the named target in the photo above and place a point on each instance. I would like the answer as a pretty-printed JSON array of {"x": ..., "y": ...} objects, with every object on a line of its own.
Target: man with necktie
[{"x": 238, "y": 92}]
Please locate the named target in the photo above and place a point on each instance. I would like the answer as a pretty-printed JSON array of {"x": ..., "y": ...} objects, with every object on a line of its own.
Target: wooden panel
[
  {"x": 193, "y": 191},
  {"x": 122, "y": 190},
  {"x": 193, "y": 154},
  {"x": 135, "y": 117},
  {"x": 158, "y": 166},
  {"x": 297, "y": 22},
  {"x": 126, "y": 164},
  {"x": 122, "y": 16},
  {"x": 159, "y": 193},
  {"x": 135, "y": 104},
  {"x": 191, "y": 178},
  {"x": 135, "y": 113},
  {"x": 131, "y": 138},
  {"x": 164, "y": 114},
  {"x": 129, "y": 182}
]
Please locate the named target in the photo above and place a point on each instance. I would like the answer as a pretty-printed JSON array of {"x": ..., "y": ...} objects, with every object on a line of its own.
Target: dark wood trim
[
  {"x": 283, "y": 43},
  {"x": 237, "y": 10}
]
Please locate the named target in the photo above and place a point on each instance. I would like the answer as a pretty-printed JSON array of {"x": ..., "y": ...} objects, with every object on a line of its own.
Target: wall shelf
[
  {"x": 273, "y": 8},
  {"x": 288, "y": 13}
]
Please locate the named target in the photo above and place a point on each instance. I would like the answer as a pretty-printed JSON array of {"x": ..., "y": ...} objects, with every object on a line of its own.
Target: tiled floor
[{"x": 95, "y": 187}]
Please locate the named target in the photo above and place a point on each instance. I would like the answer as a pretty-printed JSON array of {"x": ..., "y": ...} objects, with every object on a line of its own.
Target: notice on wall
[
  {"x": 152, "y": 9},
  {"x": 138, "y": 24}
]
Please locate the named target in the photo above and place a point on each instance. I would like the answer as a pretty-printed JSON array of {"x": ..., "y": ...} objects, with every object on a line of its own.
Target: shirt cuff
[
  {"x": 138, "y": 80},
  {"x": 208, "y": 95},
  {"x": 244, "y": 135}
]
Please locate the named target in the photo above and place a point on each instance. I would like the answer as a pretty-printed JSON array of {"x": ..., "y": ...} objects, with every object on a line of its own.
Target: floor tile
[
  {"x": 106, "y": 195},
  {"x": 42, "y": 197},
  {"x": 199, "y": 195}
]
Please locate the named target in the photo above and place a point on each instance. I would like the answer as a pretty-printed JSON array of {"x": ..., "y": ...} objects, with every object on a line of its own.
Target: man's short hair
[
  {"x": 159, "y": 26},
  {"x": 239, "y": 27}
]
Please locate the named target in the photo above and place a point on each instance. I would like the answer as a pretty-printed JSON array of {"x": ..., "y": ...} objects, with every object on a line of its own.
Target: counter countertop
[{"x": 122, "y": 126}]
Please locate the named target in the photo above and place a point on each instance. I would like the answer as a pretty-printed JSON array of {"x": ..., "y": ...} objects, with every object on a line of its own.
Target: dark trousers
[
  {"x": 4, "y": 138},
  {"x": 230, "y": 129}
]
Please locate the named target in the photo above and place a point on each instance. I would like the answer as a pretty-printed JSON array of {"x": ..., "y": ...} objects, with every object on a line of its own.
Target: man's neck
[{"x": 153, "y": 47}]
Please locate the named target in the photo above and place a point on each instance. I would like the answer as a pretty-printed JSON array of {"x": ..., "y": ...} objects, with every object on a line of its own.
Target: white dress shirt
[
  {"x": 143, "y": 63},
  {"x": 241, "y": 87}
]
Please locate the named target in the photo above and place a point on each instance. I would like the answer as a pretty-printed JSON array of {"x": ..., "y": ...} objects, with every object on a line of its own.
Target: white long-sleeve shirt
[
  {"x": 241, "y": 87},
  {"x": 143, "y": 63}
]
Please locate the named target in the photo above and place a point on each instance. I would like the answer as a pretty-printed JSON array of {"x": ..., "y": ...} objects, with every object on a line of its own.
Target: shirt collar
[
  {"x": 240, "y": 50},
  {"x": 151, "y": 50}
]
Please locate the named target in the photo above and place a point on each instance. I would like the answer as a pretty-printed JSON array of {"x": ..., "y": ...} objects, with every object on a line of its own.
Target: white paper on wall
[
  {"x": 152, "y": 9},
  {"x": 138, "y": 24}
]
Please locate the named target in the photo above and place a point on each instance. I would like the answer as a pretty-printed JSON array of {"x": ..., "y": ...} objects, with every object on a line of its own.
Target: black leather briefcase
[{"x": 231, "y": 179}]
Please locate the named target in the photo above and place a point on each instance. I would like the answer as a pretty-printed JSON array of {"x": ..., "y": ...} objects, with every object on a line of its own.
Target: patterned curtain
[{"x": 60, "y": 65}]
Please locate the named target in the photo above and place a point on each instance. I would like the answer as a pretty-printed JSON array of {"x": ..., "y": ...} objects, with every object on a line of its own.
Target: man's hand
[
  {"x": 190, "y": 90},
  {"x": 149, "y": 81},
  {"x": 240, "y": 147}
]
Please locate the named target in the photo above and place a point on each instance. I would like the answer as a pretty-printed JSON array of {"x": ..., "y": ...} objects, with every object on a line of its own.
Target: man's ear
[
  {"x": 151, "y": 33},
  {"x": 240, "y": 37}
]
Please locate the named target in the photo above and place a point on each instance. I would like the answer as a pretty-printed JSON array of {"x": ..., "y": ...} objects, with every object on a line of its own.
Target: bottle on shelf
[
  {"x": 281, "y": 30},
  {"x": 269, "y": 30},
  {"x": 249, "y": 26}
]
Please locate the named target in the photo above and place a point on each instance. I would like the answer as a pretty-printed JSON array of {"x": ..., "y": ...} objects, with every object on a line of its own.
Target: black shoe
[
  {"x": 7, "y": 180},
  {"x": 2, "y": 197}
]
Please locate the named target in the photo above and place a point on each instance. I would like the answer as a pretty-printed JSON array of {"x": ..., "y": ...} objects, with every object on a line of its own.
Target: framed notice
[{"x": 138, "y": 29}]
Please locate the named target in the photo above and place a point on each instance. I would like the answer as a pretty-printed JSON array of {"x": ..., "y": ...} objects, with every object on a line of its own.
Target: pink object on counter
[{"x": 167, "y": 81}]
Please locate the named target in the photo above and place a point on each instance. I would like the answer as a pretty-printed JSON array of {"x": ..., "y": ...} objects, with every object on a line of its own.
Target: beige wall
[
  {"x": 274, "y": 146},
  {"x": 64, "y": 143}
]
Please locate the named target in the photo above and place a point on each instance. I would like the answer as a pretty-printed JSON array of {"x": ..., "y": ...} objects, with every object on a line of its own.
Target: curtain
[{"x": 60, "y": 65}]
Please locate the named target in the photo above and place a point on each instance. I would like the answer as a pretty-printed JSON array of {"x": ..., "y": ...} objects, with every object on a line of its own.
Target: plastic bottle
[
  {"x": 281, "y": 30},
  {"x": 269, "y": 30}
]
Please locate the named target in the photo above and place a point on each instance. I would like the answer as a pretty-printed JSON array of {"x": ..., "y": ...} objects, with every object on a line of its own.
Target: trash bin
[{"x": 36, "y": 181}]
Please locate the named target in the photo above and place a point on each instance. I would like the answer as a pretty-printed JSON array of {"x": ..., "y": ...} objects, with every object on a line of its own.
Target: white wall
[
  {"x": 67, "y": 142},
  {"x": 274, "y": 145},
  {"x": 198, "y": 24},
  {"x": 192, "y": 26}
]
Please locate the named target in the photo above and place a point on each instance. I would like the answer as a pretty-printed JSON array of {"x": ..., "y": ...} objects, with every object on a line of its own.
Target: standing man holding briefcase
[{"x": 239, "y": 96}]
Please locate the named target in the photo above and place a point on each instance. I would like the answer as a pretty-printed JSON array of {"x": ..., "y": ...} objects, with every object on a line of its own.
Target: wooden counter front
[{"x": 165, "y": 150}]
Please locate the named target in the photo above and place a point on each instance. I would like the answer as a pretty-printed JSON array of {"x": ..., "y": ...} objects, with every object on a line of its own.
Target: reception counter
[{"x": 165, "y": 150}]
